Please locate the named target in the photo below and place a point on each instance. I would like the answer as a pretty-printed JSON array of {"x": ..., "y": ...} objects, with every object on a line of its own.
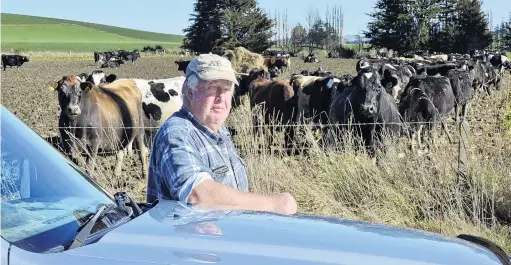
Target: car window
[{"x": 43, "y": 195}]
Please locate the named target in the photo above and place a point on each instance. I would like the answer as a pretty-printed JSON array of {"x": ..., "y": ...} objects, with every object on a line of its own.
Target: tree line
[
  {"x": 405, "y": 26},
  {"x": 447, "y": 26}
]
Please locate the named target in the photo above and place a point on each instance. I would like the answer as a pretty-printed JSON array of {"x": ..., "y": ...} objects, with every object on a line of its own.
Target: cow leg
[
  {"x": 129, "y": 147},
  {"x": 143, "y": 154},
  {"x": 456, "y": 117},
  {"x": 464, "y": 110},
  {"x": 118, "y": 166}
]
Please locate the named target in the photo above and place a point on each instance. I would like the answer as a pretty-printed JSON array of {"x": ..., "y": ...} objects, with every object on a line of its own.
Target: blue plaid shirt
[{"x": 185, "y": 153}]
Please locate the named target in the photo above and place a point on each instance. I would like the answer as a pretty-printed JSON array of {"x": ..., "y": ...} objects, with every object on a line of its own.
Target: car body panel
[{"x": 173, "y": 231}]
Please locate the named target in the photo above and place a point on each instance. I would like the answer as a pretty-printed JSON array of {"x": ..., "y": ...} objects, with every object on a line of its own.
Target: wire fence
[{"x": 252, "y": 137}]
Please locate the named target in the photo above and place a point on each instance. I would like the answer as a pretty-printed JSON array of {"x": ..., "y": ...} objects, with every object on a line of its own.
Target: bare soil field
[{"x": 408, "y": 189}]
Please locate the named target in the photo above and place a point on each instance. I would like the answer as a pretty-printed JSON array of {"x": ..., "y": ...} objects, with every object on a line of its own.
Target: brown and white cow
[
  {"x": 105, "y": 116},
  {"x": 278, "y": 99}
]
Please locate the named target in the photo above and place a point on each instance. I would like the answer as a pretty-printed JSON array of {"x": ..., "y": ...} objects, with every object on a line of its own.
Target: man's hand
[
  {"x": 213, "y": 193},
  {"x": 285, "y": 204}
]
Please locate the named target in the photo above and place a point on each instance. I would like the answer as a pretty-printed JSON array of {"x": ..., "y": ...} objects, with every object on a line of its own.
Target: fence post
[{"x": 462, "y": 172}]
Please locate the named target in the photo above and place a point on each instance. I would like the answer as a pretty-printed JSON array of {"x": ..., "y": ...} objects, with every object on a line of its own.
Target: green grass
[
  {"x": 75, "y": 47},
  {"x": 29, "y": 33}
]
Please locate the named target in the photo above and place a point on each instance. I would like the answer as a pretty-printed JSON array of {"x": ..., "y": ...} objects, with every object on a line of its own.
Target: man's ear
[{"x": 86, "y": 86}]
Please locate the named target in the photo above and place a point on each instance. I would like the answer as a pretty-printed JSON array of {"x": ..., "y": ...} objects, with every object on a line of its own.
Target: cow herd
[
  {"x": 113, "y": 59},
  {"x": 387, "y": 98}
]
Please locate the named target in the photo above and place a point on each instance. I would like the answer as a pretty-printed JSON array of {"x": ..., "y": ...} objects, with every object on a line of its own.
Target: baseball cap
[{"x": 211, "y": 67}]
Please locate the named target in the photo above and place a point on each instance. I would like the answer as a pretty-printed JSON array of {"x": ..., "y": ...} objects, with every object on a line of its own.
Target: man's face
[{"x": 211, "y": 103}]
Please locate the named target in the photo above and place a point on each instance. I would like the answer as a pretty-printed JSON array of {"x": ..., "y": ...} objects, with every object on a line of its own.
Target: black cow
[
  {"x": 13, "y": 60},
  {"x": 427, "y": 100},
  {"x": 114, "y": 62},
  {"x": 461, "y": 83},
  {"x": 130, "y": 56},
  {"x": 367, "y": 104},
  {"x": 182, "y": 65}
]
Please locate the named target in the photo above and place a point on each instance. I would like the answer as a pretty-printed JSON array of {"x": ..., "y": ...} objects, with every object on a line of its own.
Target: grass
[
  {"x": 416, "y": 190},
  {"x": 29, "y": 33},
  {"x": 74, "y": 47}
]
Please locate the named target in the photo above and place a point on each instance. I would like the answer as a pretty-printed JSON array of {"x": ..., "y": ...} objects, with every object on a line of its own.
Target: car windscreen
[{"x": 42, "y": 193}]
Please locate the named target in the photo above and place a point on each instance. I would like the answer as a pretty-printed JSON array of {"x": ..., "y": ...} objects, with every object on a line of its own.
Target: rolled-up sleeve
[{"x": 181, "y": 166}]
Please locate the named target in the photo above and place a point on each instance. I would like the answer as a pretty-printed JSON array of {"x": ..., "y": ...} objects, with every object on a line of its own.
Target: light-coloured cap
[{"x": 211, "y": 67}]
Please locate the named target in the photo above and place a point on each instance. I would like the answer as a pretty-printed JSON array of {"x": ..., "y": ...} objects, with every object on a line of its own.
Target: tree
[
  {"x": 317, "y": 35},
  {"x": 204, "y": 32},
  {"x": 298, "y": 38},
  {"x": 472, "y": 27},
  {"x": 226, "y": 24},
  {"x": 393, "y": 26},
  {"x": 244, "y": 24}
]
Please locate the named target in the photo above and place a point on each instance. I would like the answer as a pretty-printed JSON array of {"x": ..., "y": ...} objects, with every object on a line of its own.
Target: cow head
[
  {"x": 253, "y": 75},
  {"x": 24, "y": 59},
  {"x": 70, "y": 91},
  {"x": 98, "y": 77},
  {"x": 182, "y": 65},
  {"x": 368, "y": 90},
  {"x": 274, "y": 71},
  {"x": 390, "y": 78}
]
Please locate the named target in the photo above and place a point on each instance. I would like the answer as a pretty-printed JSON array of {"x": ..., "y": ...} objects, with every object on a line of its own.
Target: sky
[{"x": 166, "y": 16}]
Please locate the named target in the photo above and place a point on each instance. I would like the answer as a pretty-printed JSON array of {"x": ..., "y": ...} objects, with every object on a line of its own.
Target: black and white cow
[
  {"x": 314, "y": 96},
  {"x": 370, "y": 107},
  {"x": 160, "y": 99},
  {"x": 427, "y": 101},
  {"x": 461, "y": 83},
  {"x": 97, "y": 77},
  {"x": 13, "y": 60}
]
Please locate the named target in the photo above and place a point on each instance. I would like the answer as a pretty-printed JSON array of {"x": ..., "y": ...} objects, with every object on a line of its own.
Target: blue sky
[{"x": 166, "y": 16}]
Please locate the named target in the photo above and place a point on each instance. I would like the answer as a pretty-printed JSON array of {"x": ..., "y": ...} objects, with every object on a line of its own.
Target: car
[{"x": 53, "y": 213}]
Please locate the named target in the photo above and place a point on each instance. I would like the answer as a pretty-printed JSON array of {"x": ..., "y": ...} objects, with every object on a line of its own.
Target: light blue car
[{"x": 52, "y": 213}]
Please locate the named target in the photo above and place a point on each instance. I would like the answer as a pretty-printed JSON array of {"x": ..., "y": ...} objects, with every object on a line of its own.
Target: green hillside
[{"x": 30, "y": 33}]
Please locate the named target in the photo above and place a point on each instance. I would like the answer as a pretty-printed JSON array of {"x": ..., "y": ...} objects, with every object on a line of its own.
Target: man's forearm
[{"x": 210, "y": 192}]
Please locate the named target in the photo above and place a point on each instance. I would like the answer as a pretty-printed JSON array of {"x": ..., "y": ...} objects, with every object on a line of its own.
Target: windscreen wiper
[{"x": 86, "y": 228}]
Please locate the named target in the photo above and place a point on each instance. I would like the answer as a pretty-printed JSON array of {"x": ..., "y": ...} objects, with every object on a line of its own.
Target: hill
[{"x": 31, "y": 33}]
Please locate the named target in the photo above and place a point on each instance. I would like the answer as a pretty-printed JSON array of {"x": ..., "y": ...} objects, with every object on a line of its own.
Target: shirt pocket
[{"x": 221, "y": 173}]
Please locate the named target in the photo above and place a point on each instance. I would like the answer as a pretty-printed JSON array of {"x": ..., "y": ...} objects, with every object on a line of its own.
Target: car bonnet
[{"x": 172, "y": 233}]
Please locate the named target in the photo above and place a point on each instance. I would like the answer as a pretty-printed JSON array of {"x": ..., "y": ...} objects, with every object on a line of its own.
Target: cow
[
  {"x": 13, "y": 60},
  {"x": 130, "y": 56},
  {"x": 314, "y": 96},
  {"x": 279, "y": 62},
  {"x": 182, "y": 65},
  {"x": 97, "y": 77},
  {"x": 105, "y": 116},
  {"x": 160, "y": 99},
  {"x": 427, "y": 101},
  {"x": 311, "y": 58},
  {"x": 278, "y": 100},
  {"x": 395, "y": 78},
  {"x": 461, "y": 83},
  {"x": 113, "y": 62},
  {"x": 367, "y": 103}
]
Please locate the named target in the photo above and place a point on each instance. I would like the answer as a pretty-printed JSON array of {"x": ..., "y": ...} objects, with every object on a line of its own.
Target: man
[{"x": 193, "y": 159}]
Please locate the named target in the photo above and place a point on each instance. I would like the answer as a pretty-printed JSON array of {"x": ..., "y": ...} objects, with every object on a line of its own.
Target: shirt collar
[{"x": 216, "y": 137}]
